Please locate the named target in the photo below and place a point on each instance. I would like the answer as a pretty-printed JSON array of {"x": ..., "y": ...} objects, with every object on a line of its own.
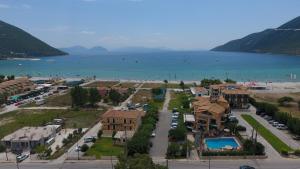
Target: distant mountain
[
  {"x": 15, "y": 42},
  {"x": 80, "y": 50},
  {"x": 282, "y": 40},
  {"x": 137, "y": 49}
]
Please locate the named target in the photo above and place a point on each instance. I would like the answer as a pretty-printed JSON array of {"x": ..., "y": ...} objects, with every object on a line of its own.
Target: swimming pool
[{"x": 221, "y": 143}]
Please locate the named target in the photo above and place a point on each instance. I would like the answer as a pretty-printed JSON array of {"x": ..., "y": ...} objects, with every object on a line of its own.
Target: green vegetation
[
  {"x": 115, "y": 97},
  {"x": 94, "y": 96},
  {"x": 140, "y": 142},
  {"x": 138, "y": 161},
  {"x": 180, "y": 101},
  {"x": 15, "y": 120},
  {"x": 284, "y": 101},
  {"x": 84, "y": 148},
  {"x": 17, "y": 43},
  {"x": 230, "y": 81},
  {"x": 268, "y": 41},
  {"x": 104, "y": 147},
  {"x": 207, "y": 82},
  {"x": 276, "y": 143},
  {"x": 79, "y": 96}
]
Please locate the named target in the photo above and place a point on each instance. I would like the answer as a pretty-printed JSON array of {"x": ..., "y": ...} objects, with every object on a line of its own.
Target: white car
[
  {"x": 23, "y": 157},
  {"x": 153, "y": 134}
]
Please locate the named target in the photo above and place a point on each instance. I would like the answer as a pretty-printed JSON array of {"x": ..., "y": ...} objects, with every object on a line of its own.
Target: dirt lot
[
  {"x": 102, "y": 84},
  {"x": 273, "y": 97},
  {"x": 169, "y": 85},
  {"x": 128, "y": 85},
  {"x": 142, "y": 96}
]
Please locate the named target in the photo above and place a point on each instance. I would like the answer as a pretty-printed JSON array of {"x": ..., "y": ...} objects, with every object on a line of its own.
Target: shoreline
[{"x": 273, "y": 87}]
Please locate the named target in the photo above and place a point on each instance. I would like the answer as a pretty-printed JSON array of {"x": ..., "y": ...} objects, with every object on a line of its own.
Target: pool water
[{"x": 222, "y": 142}]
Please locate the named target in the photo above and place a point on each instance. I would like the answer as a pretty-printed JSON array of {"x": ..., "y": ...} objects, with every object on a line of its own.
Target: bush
[
  {"x": 284, "y": 152},
  {"x": 240, "y": 128},
  {"x": 297, "y": 152},
  {"x": 173, "y": 150},
  {"x": 253, "y": 148},
  {"x": 283, "y": 101},
  {"x": 99, "y": 134},
  {"x": 84, "y": 148},
  {"x": 2, "y": 148}
]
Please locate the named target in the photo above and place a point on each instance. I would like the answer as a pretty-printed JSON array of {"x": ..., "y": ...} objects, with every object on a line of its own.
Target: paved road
[
  {"x": 215, "y": 164},
  {"x": 270, "y": 151},
  {"x": 160, "y": 141}
]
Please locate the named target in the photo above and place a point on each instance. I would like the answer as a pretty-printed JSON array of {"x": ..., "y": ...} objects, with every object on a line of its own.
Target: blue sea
[{"x": 174, "y": 65}]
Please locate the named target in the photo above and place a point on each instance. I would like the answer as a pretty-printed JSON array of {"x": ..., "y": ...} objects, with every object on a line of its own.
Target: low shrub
[
  {"x": 240, "y": 128},
  {"x": 84, "y": 148},
  {"x": 297, "y": 152},
  {"x": 284, "y": 152}
]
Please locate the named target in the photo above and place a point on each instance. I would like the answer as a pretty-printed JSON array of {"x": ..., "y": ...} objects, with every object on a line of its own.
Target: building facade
[
  {"x": 117, "y": 120},
  {"x": 28, "y": 138},
  {"x": 210, "y": 113}
]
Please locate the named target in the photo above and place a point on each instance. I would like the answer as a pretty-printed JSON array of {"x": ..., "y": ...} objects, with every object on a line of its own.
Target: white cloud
[
  {"x": 4, "y": 6},
  {"x": 87, "y": 32}
]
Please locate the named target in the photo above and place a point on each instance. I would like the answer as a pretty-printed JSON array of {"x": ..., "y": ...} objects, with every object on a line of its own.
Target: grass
[
  {"x": 276, "y": 143},
  {"x": 273, "y": 98},
  {"x": 15, "y": 120},
  {"x": 104, "y": 147},
  {"x": 176, "y": 101},
  {"x": 102, "y": 84},
  {"x": 128, "y": 85}
]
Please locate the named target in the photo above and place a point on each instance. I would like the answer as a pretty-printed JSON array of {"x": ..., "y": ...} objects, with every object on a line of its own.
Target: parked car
[
  {"x": 281, "y": 127},
  {"x": 23, "y": 157},
  {"x": 174, "y": 116},
  {"x": 153, "y": 134},
  {"x": 176, "y": 113},
  {"x": 296, "y": 137},
  {"x": 275, "y": 123},
  {"x": 271, "y": 121},
  {"x": 88, "y": 139},
  {"x": 246, "y": 167}
]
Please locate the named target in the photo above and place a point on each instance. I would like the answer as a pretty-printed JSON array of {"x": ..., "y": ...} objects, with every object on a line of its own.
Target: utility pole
[
  {"x": 17, "y": 163},
  {"x": 77, "y": 152},
  {"x": 6, "y": 153}
]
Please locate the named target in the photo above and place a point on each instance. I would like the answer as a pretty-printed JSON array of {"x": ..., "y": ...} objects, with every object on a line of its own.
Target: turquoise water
[
  {"x": 219, "y": 143},
  {"x": 186, "y": 65}
]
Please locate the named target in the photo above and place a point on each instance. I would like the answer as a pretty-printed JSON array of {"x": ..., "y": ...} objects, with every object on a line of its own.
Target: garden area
[{"x": 104, "y": 147}]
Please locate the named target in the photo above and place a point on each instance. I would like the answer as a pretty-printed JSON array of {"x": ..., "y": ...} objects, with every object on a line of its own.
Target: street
[{"x": 160, "y": 141}]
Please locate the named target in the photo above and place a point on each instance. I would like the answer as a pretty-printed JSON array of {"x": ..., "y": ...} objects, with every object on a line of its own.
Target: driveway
[{"x": 160, "y": 141}]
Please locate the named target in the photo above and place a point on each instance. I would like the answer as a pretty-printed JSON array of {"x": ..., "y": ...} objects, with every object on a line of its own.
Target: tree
[
  {"x": 2, "y": 99},
  {"x": 173, "y": 150},
  {"x": 230, "y": 81},
  {"x": 2, "y": 78},
  {"x": 99, "y": 134},
  {"x": 207, "y": 82},
  {"x": 84, "y": 148},
  {"x": 114, "y": 96},
  {"x": 94, "y": 96},
  {"x": 11, "y": 77},
  {"x": 138, "y": 161},
  {"x": 2, "y": 148},
  {"x": 79, "y": 96},
  {"x": 284, "y": 101},
  {"x": 181, "y": 84},
  {"x": 166, "y": 83}
]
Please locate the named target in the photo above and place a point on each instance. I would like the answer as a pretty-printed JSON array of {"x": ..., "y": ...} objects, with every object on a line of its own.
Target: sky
[{"x": 174, "y": 24}]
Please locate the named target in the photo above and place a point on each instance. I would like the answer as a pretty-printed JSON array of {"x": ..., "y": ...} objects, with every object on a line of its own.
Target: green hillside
[
  {"x": 282, "y": 40},
  {"x": 15, "y": 42}
]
